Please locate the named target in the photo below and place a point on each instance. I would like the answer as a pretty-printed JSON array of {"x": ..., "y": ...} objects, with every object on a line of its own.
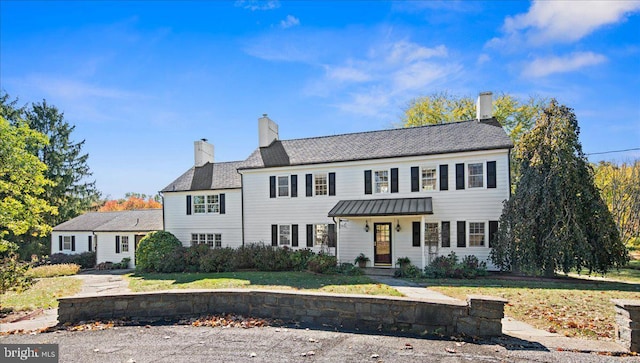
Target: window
[
  {"x": 218, "y": 240},
  {"x": 283, "y": 186},
  {"x": 285, "y": 235},
  {"x": 321, "y": 236},
  {"x": 320, "y": 184},
  {"x": 124, "y": 243},
  {"x": 198, "y": 238},
  {"x": 431, "y": 235},
  {"x": 213, "y": 204},
  {"x": 429, "y": 179},
  {"x": 476, "y": 176},
  {"x": 210, "y": 242},
  {"x": 381, "y": 181},
  {"x": 476, "y": 234},
  {"x": 66, "y": 242},
  {"x": 198, "y": 204}
]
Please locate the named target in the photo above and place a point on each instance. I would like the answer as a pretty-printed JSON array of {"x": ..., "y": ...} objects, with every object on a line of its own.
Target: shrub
[
  {"x": 349, "y": 269},
  {"x": 245, "y": 256},
  {"x": 13, "y": 272},
  {"x": 300, "y": 259},
  {"x": 273, "y": 259},
  {"x": 410, "y": 271},
  {"x": 448, "y": 266},
  {"x": 84, "y": 259},
  {"x": 322, "y": 263},
  {"x": 193, "y": 255},
  {"x": 155, "y": 251},
  {"x": 217, "y": 260},
  {"x": 65, "y": 269}
]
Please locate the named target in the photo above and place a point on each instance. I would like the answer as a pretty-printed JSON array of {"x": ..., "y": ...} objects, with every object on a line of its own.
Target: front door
[{"x": 382, "y": 244}]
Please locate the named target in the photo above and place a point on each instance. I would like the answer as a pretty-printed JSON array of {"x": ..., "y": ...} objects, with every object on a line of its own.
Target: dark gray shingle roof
[
  {"x": 424, "y": 140},
  {"x": 129, "y": 220},
  {"x": 209, "y": 176},
  {"x": 382, "y": 207}
]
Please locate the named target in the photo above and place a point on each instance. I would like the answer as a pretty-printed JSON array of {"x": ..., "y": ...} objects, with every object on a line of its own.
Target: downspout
[
  {"x": 163, "y": 220},
  {"x": 337, "y": 236},
  {"x": 241, "y": 205},
  {"x": 422, "y": 240}
]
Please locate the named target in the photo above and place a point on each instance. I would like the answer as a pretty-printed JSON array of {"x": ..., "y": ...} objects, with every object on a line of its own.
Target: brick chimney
[
  {"x": 267, "y": 131},
  {"x": 202, "y": 152},
  {"x": 484, "y": 106}
]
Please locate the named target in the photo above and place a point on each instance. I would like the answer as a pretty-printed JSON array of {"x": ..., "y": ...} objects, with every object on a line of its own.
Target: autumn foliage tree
[
  {"x": 556, "y": 219},
  {"x": 132, "y": 201}
]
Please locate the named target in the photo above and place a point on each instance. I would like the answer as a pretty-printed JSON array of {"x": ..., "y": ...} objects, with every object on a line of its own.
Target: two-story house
[{"x": 412, "y": 192}]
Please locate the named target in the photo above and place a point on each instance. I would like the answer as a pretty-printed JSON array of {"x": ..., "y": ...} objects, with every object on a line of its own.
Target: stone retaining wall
[
  {"x": 628, "y": 321},
  {"x": 480, "y": 316}
]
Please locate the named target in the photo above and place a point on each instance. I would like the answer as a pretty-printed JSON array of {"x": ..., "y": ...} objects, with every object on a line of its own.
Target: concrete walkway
[
  {"x": 94, "y": 283},
  {"x": 510, "y": 326}
]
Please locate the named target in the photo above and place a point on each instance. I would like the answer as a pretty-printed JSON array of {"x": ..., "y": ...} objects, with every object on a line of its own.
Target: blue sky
[{"x": 142, "y": 80}]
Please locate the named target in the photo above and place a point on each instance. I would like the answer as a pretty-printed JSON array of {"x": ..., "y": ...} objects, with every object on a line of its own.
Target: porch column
[
  {"x": 338, "y": 240},
  {"x": 422, "y": 239}
]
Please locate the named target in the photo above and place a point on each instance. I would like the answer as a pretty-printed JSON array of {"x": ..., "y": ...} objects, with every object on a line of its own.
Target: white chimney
[
  {"x": 267, "y": 131},
  {"x": 484, "y": 106},
  {"x": 202, "y": 152}
]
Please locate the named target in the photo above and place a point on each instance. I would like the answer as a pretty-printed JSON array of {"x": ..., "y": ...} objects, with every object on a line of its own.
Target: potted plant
[
  {"x": 362, "y": 260},
  {"x": 403, "y": 263}
]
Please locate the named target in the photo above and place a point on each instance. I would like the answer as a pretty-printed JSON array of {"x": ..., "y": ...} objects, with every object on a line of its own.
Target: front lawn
[
  {"x": 43, "y": 294},
  {"x": 260, "y": 280},
  {"x": 572, "y": 307}
]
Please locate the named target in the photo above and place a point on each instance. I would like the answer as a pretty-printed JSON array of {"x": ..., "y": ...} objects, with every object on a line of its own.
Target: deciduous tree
[
  {"x": 132, "y": 202},
  {"x": 556, "y": 220}
]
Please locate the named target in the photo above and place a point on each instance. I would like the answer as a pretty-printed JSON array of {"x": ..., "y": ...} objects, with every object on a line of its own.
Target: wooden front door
[
  {"x": 137, "y": 239},
  {"x": 382, "y": 244}
]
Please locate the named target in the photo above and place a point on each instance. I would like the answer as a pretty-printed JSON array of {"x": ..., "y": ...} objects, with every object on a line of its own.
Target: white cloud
[
  {"x": 541, "y": 67},
  {"x": 563, "y": 21},
  {"x": 72, "y": 89},
  {"x": 347, "y": 74},
  {"x": 483, "y": 58},
  {"x": 289, "y": 22},
  {"x": 254, "y": 5},
  {"x": 407, "y": 52}
]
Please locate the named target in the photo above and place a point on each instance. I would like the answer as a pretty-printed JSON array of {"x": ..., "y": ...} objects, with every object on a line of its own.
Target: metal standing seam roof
[{"x": 382, "y": 207}]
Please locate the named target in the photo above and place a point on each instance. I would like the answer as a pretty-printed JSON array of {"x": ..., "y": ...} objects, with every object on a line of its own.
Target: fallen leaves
[{"x": 227, "y": 321}]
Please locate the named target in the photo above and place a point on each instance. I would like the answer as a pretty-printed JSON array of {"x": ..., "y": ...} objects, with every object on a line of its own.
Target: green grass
[
  {"x": 64, "y": 269},
  {"x": 569, "y": 306},
  {"x": 260, "y": 280},
  {"x": 43, "y": 294}
]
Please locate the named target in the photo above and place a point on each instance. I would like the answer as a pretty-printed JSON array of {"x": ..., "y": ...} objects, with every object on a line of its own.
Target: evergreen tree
[{"x": 556, "y": 220}]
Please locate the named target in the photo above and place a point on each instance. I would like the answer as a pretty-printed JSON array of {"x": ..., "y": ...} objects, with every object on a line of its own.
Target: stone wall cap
[
  {"x": 629, "y": 304},
  {"x": 487, "y": 298}
]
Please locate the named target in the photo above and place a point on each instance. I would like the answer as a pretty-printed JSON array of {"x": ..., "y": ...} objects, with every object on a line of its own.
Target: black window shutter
[
  {"x": 89, "y": 244},
  {"x": 274, "y": 234},
  {"x": 493, "y": 228},
  {"x": 332, "y": 183},
  {"x": 491, "y": 174},
  {"x": 294, "y": 235},
  {"x": 446, "y": 234},
  {"x": 73, "y": 243},
  {"x": 444, "y": 177},
  {"x": 294, "y": 186},
  {"x": 394, "y": 180},
  {"x": 415, "y": 179},
  {"x": 272, "y": 187},
  {"x": 367, "y": 182},
  {"x": 117, "y": 244},
  {"x": 188, "y": 204},
  {"x": 416, "y": 234},
  {"x": 221, "y": 199},
  {"x": 332, "y": 235},
  {"x": 309, "y": 185},
  {"x": 309, "y": 235},
  {"x": 462, "y": 242},
  {"x": 459, "y": 176},
  {"x": 60, "y": 242}
]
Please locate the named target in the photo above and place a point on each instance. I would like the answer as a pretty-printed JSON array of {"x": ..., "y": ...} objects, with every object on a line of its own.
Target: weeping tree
[{"x": 556, "y": 220}]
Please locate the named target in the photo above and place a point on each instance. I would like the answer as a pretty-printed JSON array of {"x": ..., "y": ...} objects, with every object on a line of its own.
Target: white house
[
  {"x": 413, "y": 192},
  {"x": 113, "y": 235}
]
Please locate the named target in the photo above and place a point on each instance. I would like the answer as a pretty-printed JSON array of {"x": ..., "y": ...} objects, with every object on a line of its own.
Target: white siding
[
  {"x": 82, "y": 244},
  {"x": 470, "y": 205},
  {"x": 229, "y": 224},
  {"x": 106, "y": 249}
]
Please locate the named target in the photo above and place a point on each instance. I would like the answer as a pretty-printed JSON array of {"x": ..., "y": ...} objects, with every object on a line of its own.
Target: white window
[
  {"x": 285, "y": 235},
  {"x": 429, "y": 179},
  {"x": 476, "y": 234},
  {"x": 321, "y": 235},
  {"x": 431, "y": 235},
  {"x": 381, "y": 181},
  {"x": 66, "y": 242},
  {"x": 198, "y": 238},
  {"x": 210, "y": 242},
  {"x": 320, "y": 184},
  {"x": 206, "y": 204},
  {"x": 283, "y": 186},
  {"x": 476, "y": 175},
  {"x": 213, "y": 204},
  {"x": 218, "y": 240},
  {"x": 124, "y": 243}
]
